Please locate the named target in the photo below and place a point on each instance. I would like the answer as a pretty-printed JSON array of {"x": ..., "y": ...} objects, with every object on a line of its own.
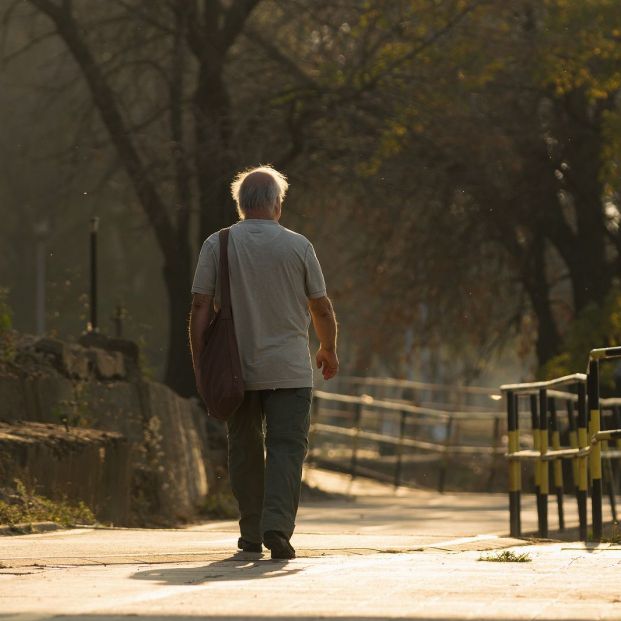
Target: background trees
[{"x": 455, "y": 162}]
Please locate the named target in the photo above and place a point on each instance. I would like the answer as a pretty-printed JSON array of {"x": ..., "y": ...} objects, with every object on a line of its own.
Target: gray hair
[{"x": 258, "y": 189}]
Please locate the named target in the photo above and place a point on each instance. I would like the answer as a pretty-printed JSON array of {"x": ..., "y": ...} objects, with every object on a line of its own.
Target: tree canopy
[{"x": 456, "y": 162}]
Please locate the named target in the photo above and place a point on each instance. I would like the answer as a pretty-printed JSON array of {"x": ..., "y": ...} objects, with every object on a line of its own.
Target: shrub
[{"x": 22, "y": 505}]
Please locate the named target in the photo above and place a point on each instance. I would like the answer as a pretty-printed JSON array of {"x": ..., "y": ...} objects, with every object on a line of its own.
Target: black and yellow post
[
  {"x": 610, "y": 476},
  {"x": 543, "y": 465},
  {"x": 595, "y": 456},
  {"x": 582, "y": 464},
  {"x": 616, "y": 420},
  {"x": 557, "y": 466},
  {"x": 573, "y": 441},
  {"x": 534, "y": 423},
  {"x": 515, "y": 474},
  {"x": 616, "y": 417}
]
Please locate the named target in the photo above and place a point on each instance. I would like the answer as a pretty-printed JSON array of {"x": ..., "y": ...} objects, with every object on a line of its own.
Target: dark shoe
[
  {"x": 279, "y": 545},
  {"x": 248, "y": 546}
]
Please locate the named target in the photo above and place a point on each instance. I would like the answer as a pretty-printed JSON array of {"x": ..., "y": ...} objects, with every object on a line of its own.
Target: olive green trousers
[{"x": 268, "y": 441}]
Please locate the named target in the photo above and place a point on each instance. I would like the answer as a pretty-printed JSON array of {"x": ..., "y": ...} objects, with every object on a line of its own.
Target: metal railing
[
  {"x": 459, "y": 397},
  {"x": 586, "y": 440},
  {"x": 358, "y": 419}
]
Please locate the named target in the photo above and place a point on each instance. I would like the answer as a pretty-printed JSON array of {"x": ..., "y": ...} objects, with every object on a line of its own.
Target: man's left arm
[{"x": 201, "y": 314}]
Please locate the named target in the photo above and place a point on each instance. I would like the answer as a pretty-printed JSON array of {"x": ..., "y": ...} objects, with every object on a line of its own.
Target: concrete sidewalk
[{"x": 383, "y": 555}]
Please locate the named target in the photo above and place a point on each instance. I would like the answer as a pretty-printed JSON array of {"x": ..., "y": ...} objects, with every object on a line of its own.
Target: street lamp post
[
  {"x": 92, "y": 324},
  {"x": 41, "y": 232}
]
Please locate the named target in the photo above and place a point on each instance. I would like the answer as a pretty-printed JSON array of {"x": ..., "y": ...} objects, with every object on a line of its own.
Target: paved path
[{"x": 408, "y": 555}]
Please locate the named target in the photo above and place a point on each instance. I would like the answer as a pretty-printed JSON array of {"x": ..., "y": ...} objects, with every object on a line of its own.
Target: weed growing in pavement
[
  {"x": 615, "y": 534},
  {"x": 507, "y": 557}
]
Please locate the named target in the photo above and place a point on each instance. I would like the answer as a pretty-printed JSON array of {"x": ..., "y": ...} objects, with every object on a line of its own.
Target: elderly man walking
[{"x": 277, "y": 286}]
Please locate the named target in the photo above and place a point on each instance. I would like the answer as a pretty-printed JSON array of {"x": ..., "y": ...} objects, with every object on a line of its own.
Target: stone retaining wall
[
  {"x": 97, "y": 385},
  {"x": 78, "y": 464}
]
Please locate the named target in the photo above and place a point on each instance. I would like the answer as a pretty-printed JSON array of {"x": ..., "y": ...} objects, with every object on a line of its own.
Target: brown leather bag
[{"x": 219, "y": 380}]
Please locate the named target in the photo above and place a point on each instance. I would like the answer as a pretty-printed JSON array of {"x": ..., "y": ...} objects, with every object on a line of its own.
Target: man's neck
[{"x": 262, "y": 216}]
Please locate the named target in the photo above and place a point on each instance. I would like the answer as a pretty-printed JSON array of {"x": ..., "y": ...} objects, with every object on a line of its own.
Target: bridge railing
[
  {"x": 586, "y": 438},
  {"x": 382, "y": 438}
]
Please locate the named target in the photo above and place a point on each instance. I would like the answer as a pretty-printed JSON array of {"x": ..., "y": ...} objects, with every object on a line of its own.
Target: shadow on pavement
[{"x": 240, "y": 566}]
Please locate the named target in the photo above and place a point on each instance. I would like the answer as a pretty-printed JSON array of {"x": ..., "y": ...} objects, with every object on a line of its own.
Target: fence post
[
  {"x": 557, "y": 466},
  {"x": 616, "y": 412},
  {"x": 445, "y": 460},
  {"x": 494, "y": 460},
  {"x": 583, "y": 480},
  {"x": 354, "y": 442},
  {"x": 313, "y": 433},
  {"x": 573, "y": 442},
  {"x": 543, "y": 466},
  {"x": 398, "y": 465},
  {"x": 515, "y": 482},
  {"x": 92, "y": 325},
  {"x": 596, "y": 451},
  {"x": 534, "y": 423},
  {"x": 610, "y": 476}
]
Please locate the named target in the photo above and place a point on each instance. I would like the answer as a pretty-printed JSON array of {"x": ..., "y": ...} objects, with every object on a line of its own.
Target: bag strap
[{"x": 225, "y": 283}]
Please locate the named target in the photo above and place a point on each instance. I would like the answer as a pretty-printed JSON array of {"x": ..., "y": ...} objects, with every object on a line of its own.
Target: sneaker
[
  {"x": 275, "y": 541},
  {"x": 248, "y": 546}
]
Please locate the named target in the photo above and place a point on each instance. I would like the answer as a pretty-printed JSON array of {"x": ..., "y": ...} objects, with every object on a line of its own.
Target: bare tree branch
[
  {"x": 235, "y": 18},
  {"x": 105, "y": 101}
]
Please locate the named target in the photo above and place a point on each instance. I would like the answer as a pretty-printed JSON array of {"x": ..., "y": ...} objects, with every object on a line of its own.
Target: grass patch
[
  {"x": 23, "y": 506},
  {"x": 507, "y": 556},
  {"x": 615, "y": 534}
]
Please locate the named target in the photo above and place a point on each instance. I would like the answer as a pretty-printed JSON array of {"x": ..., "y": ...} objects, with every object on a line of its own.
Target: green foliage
[
  {"x": 220, "y": 506},
  {"x": 615, "y": 535},
  {"x": 582, "y": 46},
  {"x": 6, "y": 316},
  {"x": 75, "y": 412},
  {"x": 506, "y": 557},
  {"x": 596, "y": 326},
  {"x": 24, "y": 506},
  {"x": 7, "y": 336}
]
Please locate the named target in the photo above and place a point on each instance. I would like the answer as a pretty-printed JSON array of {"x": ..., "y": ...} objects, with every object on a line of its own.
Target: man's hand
[
  {"x": 328, "y": 362},
  {"x": 324, "y": 322}
]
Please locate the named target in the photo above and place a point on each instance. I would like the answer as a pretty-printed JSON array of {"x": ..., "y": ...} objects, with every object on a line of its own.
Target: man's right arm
[
  {"x": 324, "y": 322},
  {"x": 201, "y": 315}
]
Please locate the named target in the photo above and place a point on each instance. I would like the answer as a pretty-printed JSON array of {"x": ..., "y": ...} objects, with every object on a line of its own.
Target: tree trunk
[
  {"x": 581, "y": 144},
  {"x": 179, "y": 374},
  {"x": 548, "y": 342},
  {"x": 213, "y": 159}
]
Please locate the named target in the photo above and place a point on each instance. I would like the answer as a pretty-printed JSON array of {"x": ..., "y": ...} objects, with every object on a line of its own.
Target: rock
[
  {"x": 107, "y": 365},
  {"x": 70, "y": 360},
  {"x": 128, "y": 349}
]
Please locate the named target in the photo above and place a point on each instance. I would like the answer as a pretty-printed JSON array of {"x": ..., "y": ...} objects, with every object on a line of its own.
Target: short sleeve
[
  {"x": 206, "y": 271},
  {"x": 315, "y": 283}
]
